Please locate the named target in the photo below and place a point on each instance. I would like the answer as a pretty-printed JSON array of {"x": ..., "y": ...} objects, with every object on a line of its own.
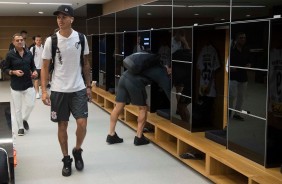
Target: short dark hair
[{"x": 23, "y": 31}]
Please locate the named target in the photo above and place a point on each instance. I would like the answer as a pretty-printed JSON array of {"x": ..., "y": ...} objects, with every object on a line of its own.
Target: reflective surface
[
  {"x": 248, "y": 89},
  {"x": 126, "y": 20},
  {"x": 155, "y": 15},
  {"x": 181, "y": 44},
  {"x": 93, "y": 25},
  {"x": 255, "y": 9},
  {"x": 107, "y": 23},
  {"x": 188, "y": 13},
  {"x": 209, "y": 56},
  {"x": 274, "y": 118}
]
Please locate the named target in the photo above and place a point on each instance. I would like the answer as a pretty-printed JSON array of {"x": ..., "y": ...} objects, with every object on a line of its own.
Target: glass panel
[
  {"x": 143, "y": 41},
  {"x": 209, "y": 58},
  {"x": 93, "y": 26},
  {"x": 181, "y": 111},
  {"x": 126, "y": 20},
  {"x": 255, "y": 9},
  {"x": 195, "y": 12},
  {"x": 248, "y": 69},
  {"x": 107, "y": 23},
  {"x": 274, "y": 118},
  {"x": 130, "y": 39},
  {"x": 155, "y": 15},
  {"x": 248, "y": 138},
  {"x": 181, "y": 44},
  {"x": 181, "y": 94}
]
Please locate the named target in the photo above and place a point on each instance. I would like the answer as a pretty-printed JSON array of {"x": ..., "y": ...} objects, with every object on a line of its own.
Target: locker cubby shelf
[{"x": 218, "y": 164}]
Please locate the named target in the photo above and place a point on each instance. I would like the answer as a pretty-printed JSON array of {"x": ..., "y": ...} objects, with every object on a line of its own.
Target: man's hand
[
  {"x": 34, "y": 74},
  {"x": 45, "y": 98}
]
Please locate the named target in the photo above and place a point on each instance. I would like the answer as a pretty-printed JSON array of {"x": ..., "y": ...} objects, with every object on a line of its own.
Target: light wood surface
[{"x": 220, "y": 165}]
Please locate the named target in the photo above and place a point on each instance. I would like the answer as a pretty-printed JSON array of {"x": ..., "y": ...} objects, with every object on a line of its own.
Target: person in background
[
  {"x": 138, "y": 47},
  {"x": 36, "y": 51},
  {"x": 20, "y": 66},
  {"x": 69, "y": 92},
  {"x": 33, "y": 42},
  {"x": 24, "y": 35},
  {"x": 239, "y": 56},
  {"x": 131, "y": 89}
]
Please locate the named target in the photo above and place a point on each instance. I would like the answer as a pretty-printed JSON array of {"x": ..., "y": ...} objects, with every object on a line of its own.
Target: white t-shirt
[
  {"x": 37, "y": 56},
  {"x": 207, "y": 63},
  {"x": 66, "y": 76}
]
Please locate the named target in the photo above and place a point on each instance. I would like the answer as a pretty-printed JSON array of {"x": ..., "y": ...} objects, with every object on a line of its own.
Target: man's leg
[
  {"x": 80, "y": 131},
  {"x": 29, "y": 98},
  {"x": 63, "y": 136},
  {"x": 142, "y": 117},
  {"x": 36, "y": 87},
  {"x": 114, "y": 117},
  {"x": 80, "y": 135},
  {"x": 63, "y": 140},
  {"x": 112, "y": 137},
  {"x": 17, "y": 104}
]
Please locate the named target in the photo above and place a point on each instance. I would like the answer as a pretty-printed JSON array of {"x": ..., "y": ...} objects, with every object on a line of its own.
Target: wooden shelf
[{"x": 219, "y": 164}]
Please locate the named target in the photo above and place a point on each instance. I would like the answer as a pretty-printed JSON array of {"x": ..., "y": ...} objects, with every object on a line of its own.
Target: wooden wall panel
[
  {"x": 117, "y": 5},
  {"x": 43, "y": 26}
]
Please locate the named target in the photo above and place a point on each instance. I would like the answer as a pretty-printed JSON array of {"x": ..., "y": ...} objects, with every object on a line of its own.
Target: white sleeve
[
  {"x": 31, "y": 50},
  {"x": 47, "y": 51}
]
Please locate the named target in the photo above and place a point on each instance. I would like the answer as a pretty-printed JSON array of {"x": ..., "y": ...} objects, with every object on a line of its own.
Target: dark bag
[{"x": 139, "y": 61}]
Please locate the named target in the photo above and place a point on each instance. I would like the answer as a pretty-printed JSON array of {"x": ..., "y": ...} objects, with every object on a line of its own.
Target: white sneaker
[{"x": 37, "y": 95}]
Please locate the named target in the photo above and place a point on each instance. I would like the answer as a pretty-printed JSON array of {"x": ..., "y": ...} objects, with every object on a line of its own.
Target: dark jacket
[{"x": 15, "y": 62}]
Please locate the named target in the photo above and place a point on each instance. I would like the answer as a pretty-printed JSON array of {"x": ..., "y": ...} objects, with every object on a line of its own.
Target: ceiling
[{"x": 32, "y": 10}]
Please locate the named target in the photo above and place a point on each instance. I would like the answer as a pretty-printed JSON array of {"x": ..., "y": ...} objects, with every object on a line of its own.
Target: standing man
[
  {"x": 36, "y": 51},
  {"x": 69, "y": 92},
  {"x": 239, "y": 56},
  {"x": 20, "y": 66}
]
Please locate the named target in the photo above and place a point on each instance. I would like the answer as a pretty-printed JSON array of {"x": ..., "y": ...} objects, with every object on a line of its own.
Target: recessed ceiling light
[
  {"x": 196, "y": 14},
  {"x": 40, "y": 12},
  {"x": 149, "y": 14},
  {"x": 248, "y": 15}
]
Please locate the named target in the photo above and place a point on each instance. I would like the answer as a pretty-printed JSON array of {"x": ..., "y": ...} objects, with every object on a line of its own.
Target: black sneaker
[
  {"x": 67, "y": 166},
  {"x": 21, "y": 132},
  {"x": 141, "y": 141},
  {"x": 114, "y": 139},
  {"x": 237, "y": 117},
  {"x": 25, "y": 124},
  {"x": 79, "y": 165}
]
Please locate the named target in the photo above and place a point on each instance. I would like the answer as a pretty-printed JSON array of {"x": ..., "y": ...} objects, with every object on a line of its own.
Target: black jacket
[{"x": 15, "y": 62}]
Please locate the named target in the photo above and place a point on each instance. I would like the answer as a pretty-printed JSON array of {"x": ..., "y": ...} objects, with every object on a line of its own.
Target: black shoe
[
  {"x": 21, "y": 132},
  {"x": 48, "y": 86},
  {"x": 67, "y": 166},
  {"x": 141, "y": 141},
  {"x": 237, "y": 117},
  {"x": 25, "y": 124},
  {"x": 79, "y": 165},
  {"x": 114, "y": 139}
]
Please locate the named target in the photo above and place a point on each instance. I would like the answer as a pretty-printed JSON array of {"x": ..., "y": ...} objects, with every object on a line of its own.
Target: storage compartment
[
  {"x": 166, "y": 141},
  {"x": 224, "y": 174}
]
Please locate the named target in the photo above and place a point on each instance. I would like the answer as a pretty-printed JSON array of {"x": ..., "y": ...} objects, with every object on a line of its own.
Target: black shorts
[
  {"x": 131, "y": 89},
  {"x": 62, "y": 104},
  {"x": 38, "y": 74}
]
